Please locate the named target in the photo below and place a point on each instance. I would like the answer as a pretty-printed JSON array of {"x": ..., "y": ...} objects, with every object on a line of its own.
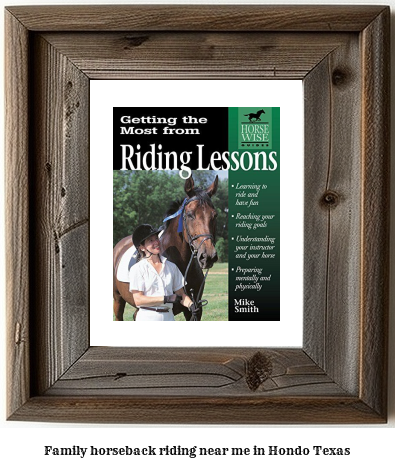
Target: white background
[
  {"x": 288, "y": 95},
  {"x": 21, "y": 444}
]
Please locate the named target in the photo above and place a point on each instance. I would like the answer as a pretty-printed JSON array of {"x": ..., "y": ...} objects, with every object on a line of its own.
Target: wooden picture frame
[{"x": 340, "y": 373}]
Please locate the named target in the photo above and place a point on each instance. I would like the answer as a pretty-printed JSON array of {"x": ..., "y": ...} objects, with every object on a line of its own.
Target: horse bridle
[
  {"x": 198, "y": 304},
  {"x": 208, "y": 236}
]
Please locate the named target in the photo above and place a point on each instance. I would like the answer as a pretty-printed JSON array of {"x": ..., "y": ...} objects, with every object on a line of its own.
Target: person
[{"x": 155, "y": 282}]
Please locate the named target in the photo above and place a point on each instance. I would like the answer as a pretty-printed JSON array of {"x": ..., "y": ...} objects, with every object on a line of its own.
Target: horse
[
  {"x": 188, "y": 241},
  {"x": 256, "y": 116}
]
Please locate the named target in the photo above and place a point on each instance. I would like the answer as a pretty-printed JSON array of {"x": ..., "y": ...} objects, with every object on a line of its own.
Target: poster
[
  {"x": 369, "y": 445},
  {"x": 194, "y": 98},
  {"x": 235, "y": 232}
]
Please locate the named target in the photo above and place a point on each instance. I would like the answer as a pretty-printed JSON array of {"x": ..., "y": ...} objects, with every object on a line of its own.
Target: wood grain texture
[
  {"x": 195, "y": 55},
  {"x": 139, "y": 385},
  {"x": 60, "y": 188},
  {"x": 375, "y": 211},
  {"x": 191, "y": 372},
  {"x": 17, "y": 213},
  {"x": 317, "y": 114},
  {"x": 339, "y": 376},
  {"x": 193, "y": 17},
  {"x": 332, "y": 208},
  {"x": 198, "y": 410}
]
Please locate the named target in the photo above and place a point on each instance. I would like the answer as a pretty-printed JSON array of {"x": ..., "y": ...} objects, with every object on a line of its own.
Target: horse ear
[
  {"x": 211, "y": 190},
  {"x": 190, "y": 187}
]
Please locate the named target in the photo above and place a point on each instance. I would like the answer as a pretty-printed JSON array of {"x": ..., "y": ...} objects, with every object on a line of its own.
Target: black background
[{"x": 213, "y": 135}]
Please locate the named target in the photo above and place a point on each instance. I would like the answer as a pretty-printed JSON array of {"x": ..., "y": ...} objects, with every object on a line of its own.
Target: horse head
[{"x": 200, "y": 220}]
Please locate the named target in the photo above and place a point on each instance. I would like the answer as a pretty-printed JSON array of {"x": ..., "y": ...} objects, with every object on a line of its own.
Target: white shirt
[{"x": 144, "y": 278}]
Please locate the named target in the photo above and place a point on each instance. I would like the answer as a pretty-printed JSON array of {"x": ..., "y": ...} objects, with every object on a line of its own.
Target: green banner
[{"x": 254, "y": 215}]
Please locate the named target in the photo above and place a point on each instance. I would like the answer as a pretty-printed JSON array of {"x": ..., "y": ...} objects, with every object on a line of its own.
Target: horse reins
[{"x": 198, "y": 304}]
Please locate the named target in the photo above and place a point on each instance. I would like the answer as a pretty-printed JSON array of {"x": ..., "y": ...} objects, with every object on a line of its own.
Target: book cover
[{"x": 231, "y": 154}]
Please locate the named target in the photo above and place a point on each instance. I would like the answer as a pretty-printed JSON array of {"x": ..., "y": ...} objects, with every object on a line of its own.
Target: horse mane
[{"x": 202, "y": 196}]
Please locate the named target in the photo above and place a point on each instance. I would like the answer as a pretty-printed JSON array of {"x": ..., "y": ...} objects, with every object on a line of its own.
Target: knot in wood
[
  {"x": 330, "y": 198},
  {"x": 135, "y": 41},
  {"x": 119, "y": 375},
  {"x": 339, "y": 77},
  {"x": 259, "y": 369}
]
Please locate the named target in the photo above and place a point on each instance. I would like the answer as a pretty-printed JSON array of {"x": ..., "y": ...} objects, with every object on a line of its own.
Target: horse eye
[{"x": 190, "y": 215}]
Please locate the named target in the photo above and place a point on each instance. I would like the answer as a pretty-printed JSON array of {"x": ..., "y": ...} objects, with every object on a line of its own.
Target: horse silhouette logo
[{"x": 256, "y": 116}]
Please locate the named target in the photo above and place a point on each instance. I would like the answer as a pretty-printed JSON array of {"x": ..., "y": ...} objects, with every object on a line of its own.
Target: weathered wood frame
[{"x": 340, "y": 374}]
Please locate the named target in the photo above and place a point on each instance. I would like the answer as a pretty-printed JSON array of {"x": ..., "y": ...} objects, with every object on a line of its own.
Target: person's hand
[
  {"x": 193, "y": 309},
  {"x": 172, "y": 299}
]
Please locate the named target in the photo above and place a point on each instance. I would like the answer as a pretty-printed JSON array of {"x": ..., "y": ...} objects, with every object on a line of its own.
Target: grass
[{"x": 215, "y": 291}]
